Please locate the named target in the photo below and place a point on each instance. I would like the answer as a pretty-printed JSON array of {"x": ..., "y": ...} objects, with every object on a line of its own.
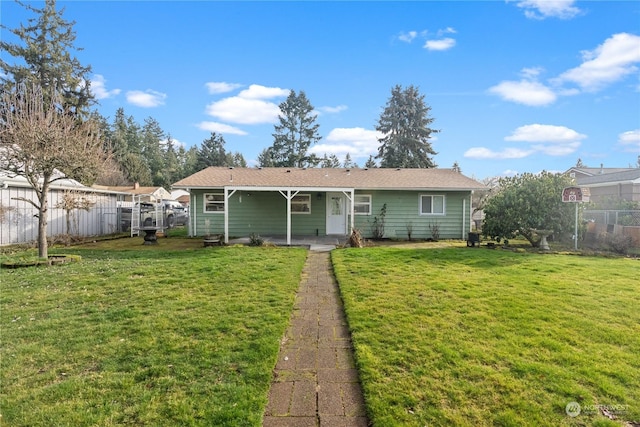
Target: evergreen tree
[
  {"x": 330, "y": 162},
  {"x": 188, "y": 160},
  {"x": 46, "y": 60},
  {"x": 405, "y": 125},
  {"x": 236, "y": 160},
  {"x": 152, "y": 137},
  {"x": 212, "y": 152},
  {"x": 295, "y": 133},
  {"x": 171, "y": 164},
  {"x": 348, "y": 163},
  {"x": 371, "y": 163},
  {"x": 579, "y": 163},
  {"x": 265, "y": 158}
]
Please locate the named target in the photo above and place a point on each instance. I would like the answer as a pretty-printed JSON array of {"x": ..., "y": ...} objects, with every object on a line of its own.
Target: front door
[{"x": 336, "y": 213}]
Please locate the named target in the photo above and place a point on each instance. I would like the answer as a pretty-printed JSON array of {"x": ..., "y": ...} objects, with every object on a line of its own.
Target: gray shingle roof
[
  {"x": 616, "y": 177},
  {"x": 366, "y": 179}
]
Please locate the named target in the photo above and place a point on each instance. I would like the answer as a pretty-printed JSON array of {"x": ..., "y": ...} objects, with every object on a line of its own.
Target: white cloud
[
  {"x": 525, "y": 92},
  {"x": 147, "y": 99},
  {"x": 408, "y": 36},
  {"x": 249, "y": 107},
  {"x": 99, "y": 90},
  {"x": 545, "y": 133},
  {"x": 358, "y": 142},
  {"x": 546, "y": 139},
  {"x": 506, "y": 153},
  {"x": 448, "y": 30},
  {"x": 609, "y": 62},
  {"x": 263, "y": 92},
  {"x": 541, "y": 9},
  {"x": 630, "y": 140},
  {"x": 557, "y": 149},
  {"x": 441, "y": 44},
  {"x": 221, "y": 87},
  {"x": 220, "y": 128},
  {"x": 244, "y": 111},
  {"x": 333, "y": 110}
]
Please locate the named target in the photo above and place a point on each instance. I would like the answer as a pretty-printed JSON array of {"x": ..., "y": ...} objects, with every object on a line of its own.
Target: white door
[{"x": 336, "y": 213}]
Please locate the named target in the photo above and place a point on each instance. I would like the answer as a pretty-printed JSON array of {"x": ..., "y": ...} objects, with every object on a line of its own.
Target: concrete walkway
[{"x": 315, "y": 381}]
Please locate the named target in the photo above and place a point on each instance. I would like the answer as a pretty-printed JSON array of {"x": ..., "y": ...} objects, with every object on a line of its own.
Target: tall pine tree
[
  {"x": 296, "y": 132},
  {"x": 405, "y": 124},
  {"x": 46, "y": 51}
]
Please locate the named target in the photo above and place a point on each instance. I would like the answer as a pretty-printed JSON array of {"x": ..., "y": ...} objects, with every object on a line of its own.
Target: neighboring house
[
  {"x": 143, "y": 194},
  {"x": 327, "y": 201},
  {"x": 621, "y": 185},
  {"x": 583, "y": 172},
  {"x": 19, "y": 223}
]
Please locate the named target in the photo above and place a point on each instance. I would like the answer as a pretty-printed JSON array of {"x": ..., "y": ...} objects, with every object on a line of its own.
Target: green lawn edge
[
  {"x": 136, "y": 335},
  {"x": 475, "y": 337}
]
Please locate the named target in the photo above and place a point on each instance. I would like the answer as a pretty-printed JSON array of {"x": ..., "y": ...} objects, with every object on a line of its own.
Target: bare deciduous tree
[
  {"x": 44, "y": 142},
  {"x": 74, "y": 200}
]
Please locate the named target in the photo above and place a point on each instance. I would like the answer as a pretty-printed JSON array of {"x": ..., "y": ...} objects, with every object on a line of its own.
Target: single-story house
[
  {"x": 621, "y": 185},
  {"x": 584, "y": 172},
  {"x": 327, "y": 201},
  {"x": 139, "y": 193}
]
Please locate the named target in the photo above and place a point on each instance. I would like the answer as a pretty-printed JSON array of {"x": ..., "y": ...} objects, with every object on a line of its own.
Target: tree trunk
[
  {"x": 43, "y": 250},
  {"x": 43, "y": 213}
]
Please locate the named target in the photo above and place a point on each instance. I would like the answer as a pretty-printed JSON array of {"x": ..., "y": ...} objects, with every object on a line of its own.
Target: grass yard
[
  {"x": 475, "y": 337},
  {"x": 164, "y": 335}
]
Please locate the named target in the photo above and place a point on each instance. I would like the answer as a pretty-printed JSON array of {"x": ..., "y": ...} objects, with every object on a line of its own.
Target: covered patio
[{"x": 314, "y": 243}]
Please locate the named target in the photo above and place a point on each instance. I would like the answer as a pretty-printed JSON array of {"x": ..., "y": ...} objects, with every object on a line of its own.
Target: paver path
[{"x": 315, "y": 381}]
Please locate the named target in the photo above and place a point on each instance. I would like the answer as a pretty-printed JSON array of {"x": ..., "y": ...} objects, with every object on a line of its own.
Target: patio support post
[
  {"x": 352, "y": 209},
  {"x": 289, "y": 196},
  {"x": 227, "y": 194}
]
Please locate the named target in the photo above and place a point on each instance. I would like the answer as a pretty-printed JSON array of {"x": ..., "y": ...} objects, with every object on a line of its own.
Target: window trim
[
  {"x": 444, "y": 205},
  {"x": 205, "y": 203},
  {"x": 301, "y": 203},
  {"x": 369, "y": 204}
]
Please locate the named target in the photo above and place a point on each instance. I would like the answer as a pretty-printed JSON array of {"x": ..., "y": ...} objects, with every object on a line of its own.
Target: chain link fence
[{"x": 617, "y": 230}]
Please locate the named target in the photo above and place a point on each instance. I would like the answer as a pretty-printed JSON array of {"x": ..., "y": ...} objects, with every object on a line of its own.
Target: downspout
[
  {"x": 288, "y": 217},
  {"x": 193, "y": 228},
  {"x": 464, "y": 213}
]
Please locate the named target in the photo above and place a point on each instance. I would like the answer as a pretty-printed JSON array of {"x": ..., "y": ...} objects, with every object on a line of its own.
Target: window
[
  {"x": 301, "y": 204},
  {"x": 362, "y": 204},
  {"x": 214, "y": 202},
  {"x": 431, "y": 204}
]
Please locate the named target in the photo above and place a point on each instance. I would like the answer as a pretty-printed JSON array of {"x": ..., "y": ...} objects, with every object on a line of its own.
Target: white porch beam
[
  {"x": 352, "y": 209},
  {"x": 227, "y": 193},
  {"x": 288, "y": 196}
]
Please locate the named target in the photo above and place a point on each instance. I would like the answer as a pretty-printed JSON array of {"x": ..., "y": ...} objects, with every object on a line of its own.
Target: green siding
[
  {"x": 403, "y": 209},
  {"x": 265, "y": 213}
]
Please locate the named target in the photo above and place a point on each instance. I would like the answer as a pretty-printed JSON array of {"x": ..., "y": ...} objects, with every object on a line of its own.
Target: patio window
[
  {"x": 431, "y": 204},
  {"x": 301, "y": 204},
  {"x": 214, "y": 202},
  {"x": 362, "y": 204}
]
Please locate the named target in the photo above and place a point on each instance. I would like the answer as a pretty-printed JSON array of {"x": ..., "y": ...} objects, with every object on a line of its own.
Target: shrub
[
  {"x": 377, "y": 228},
  {"x": 618, "y": 243},
  {"x": 255, "y": 240}
]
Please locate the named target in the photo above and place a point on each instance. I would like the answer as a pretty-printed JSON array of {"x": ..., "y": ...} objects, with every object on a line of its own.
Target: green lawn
[
  {"x": 138, "y": 335},
  {"x": 474, "y": 337}
]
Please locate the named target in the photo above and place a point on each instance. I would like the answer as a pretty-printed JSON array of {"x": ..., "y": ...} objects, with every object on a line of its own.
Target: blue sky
[{"x": 516, "y": 86}]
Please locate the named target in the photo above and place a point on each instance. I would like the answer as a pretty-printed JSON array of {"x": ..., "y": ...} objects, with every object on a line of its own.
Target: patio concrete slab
[{"x": 315, "y": 382}]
